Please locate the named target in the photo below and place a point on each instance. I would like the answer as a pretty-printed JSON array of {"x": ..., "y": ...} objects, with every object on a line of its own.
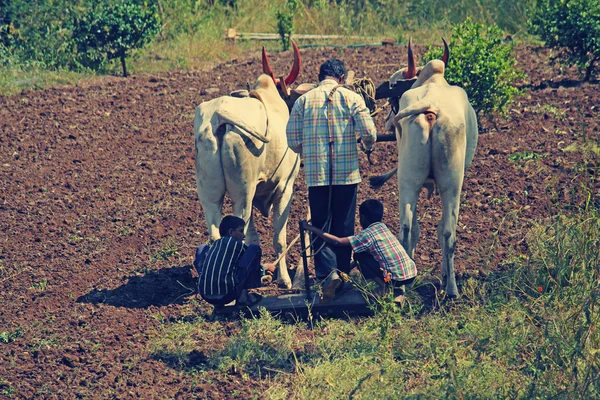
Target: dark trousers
[
  {"x": 370, "y": 269},
  {"x": 343, "y": 209},
  {"x": 248, "y": 273}
]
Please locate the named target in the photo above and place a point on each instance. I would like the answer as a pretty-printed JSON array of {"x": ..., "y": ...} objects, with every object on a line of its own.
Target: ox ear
[{"x": 267, "y": 65}]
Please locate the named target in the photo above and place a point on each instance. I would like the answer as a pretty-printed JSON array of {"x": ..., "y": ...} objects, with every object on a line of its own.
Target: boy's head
[
  {"x": 370, "y": 211},
  {"x": 334, "y": 68},
  {"x": 233, "y": 226}
]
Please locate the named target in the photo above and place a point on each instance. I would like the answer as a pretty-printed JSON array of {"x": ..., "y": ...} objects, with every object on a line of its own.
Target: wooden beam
[{"x": 232, "y": 34}]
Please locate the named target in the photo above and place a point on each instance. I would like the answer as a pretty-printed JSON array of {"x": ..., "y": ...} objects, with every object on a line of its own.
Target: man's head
[
  {"x": 334, "y": 68},
  {"x": 233, "y": 226},
  {"x": 370, "y": 211}
]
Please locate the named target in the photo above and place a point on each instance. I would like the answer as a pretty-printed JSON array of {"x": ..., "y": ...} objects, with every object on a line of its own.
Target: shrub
[
  {"x": 112, "y": 31},
  {"x": 35, "y": 32},
  {"x": 573, "y": 26},
  {"x": 285, "y": 22},
  {"x": 482, "y": 64}
]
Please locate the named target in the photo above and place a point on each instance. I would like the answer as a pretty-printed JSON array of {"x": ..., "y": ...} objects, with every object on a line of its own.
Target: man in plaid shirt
[
  {"x": 377, "y": 252},
  {"x": 330, "y": 156}
]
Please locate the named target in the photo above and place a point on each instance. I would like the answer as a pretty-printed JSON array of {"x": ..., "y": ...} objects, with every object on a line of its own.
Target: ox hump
[
  {"x": 433, "y": 70},
  {"x": 264, "y": 82}
]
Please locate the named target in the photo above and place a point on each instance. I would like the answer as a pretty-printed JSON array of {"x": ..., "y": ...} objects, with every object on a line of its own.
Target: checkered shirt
[
  {"x": 378, "y": 240},
  {"x": 308, "y": 133}
]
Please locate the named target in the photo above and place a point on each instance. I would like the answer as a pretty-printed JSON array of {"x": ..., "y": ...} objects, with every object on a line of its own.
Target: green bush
[
  {"x": 112, "y": 32},
  {"x": 572, "y": 26},
  {"x": 35, "y": 32},
  {"x": 482, "y": 64},
  {"x": 285, "y": 22}
]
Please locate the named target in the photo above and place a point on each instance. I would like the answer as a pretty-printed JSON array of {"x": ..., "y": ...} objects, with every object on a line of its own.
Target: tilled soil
[{"x": 99, "y": 216}]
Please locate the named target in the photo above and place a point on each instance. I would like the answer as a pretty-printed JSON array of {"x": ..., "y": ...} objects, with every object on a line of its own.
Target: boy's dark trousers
[
  {"x": 369, "y": 267},
  {"x": 343, "y": 209},
  {"x": 248, "y": 272}
]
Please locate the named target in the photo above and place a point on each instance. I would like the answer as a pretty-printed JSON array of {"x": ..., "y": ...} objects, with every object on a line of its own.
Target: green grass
[
  {"x": 192, "y": 35},
  {"x": 15, "y": 80},
  {"x": 167, "y": 251},
  {"x": 10, "y": 336},
  {"x": 527, "y": 332}
]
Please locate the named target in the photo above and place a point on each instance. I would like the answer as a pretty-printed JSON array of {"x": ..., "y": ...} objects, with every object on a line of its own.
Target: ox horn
[
  {"x": 446, "y": 56},
  {"x": 411, "y": 70},
  {"x": 296, "y": 67},
  {"x": 267, "y": 66}
]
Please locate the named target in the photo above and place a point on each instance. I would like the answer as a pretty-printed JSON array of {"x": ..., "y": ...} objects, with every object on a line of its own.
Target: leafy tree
[
  {"x": 285, "y": 22},
  {"x": 572, "y": 26},
  {"x": 482, "y": 64},
  {"x": 112, "y": 31},
  {"x": 35, "y": 32}
]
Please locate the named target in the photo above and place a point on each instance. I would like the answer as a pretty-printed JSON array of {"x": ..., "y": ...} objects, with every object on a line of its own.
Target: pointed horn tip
[
  {"x": 446, "y": 56},
  {"x": 411, "y": 70},
  {"x": 291, "y": 78},
  {"x": 267, "y": 65}
]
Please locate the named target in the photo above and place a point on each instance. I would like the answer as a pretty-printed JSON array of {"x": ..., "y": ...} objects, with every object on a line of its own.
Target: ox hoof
[{"x": 285, "y": 284}]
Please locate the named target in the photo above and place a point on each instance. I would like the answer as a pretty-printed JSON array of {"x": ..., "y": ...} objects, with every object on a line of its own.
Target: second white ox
[
  {"x": 241, "y": 149},
  {"x": 436, "y": 129}
]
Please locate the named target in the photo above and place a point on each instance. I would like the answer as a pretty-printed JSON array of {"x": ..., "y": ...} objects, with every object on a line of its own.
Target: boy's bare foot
[
  {"x": 399, "y": 300},
  {"x": 269, "y": 268},
  {"x": 332, "y": 283}
]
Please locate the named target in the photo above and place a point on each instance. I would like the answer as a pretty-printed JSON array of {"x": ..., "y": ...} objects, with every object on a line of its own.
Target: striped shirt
[
  {"x": 219, "y": 270},
  {"x": 308, "y": 132},
  {"x": 381, "y": 243}
]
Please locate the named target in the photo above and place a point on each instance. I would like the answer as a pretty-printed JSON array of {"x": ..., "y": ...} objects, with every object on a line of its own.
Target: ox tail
[
  {"x": 472, "y": 135},
  {"x": 377, "y": 182},
  {"x": 419, "y": 107}
]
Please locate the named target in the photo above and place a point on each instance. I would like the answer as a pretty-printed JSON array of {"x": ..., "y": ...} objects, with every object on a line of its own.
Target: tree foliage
[
  {"x": 482, "y": 64},
  {"x": 572, "y": 26},
  {"x": 112, "y": 31}
]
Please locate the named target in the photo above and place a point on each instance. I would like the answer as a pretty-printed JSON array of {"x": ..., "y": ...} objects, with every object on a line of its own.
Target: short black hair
[
  {"x": 332, "y": 67},
  {"x": 371, "y": 210},
  {"x": 230, "y": 222}
]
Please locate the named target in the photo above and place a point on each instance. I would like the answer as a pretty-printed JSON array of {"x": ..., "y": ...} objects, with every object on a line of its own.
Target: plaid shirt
[
  {"x": 378, "y": 240},
  {"x": 307, "y": 132}
]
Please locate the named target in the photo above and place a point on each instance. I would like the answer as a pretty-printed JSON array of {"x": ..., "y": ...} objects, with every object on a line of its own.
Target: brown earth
[{"x": 99, "y": 216}]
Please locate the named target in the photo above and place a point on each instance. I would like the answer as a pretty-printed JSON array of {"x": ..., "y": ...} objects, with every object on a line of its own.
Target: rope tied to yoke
[{"x": 366, "y": 88}]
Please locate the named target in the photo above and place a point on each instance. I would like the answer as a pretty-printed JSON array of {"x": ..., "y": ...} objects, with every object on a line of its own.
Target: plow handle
[{"x": 304, "y": 262}]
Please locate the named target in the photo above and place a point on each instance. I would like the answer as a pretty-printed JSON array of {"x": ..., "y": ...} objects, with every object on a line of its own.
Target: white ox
[
  {"x": 241, "y": 149},
  {"x": 436, "y": 130}
]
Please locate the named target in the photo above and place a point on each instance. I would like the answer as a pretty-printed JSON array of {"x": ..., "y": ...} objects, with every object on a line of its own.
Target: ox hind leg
[
  {"x": 409, "y": 226},
  {"x": 449, "y": 161},
  {"x": 210, "y": 181},
  {"x": 447, "y": 238},
  {"x": 449, "y": 174},
  {"x": 241, "y": 178},
  {"x": 281, "y": 211}
]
